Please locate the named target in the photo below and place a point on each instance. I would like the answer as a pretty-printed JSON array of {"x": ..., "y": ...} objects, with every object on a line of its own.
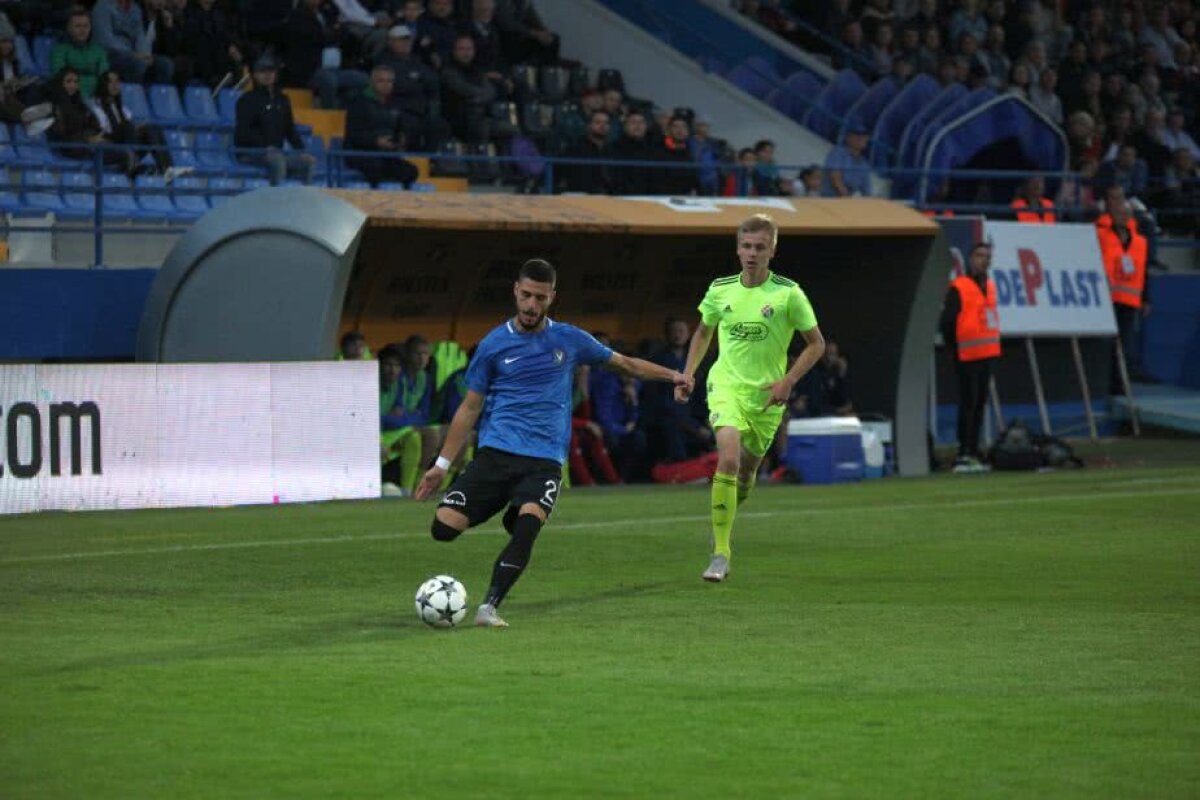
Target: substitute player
[
  {"x": 755, "y": 314},
  {"x": 520, "y": 381}
]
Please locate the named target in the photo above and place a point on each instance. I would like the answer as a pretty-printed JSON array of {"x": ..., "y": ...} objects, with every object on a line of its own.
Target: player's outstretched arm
[
  {"x": 649, "y": 371},
  {"x": 460, "y": 428}
]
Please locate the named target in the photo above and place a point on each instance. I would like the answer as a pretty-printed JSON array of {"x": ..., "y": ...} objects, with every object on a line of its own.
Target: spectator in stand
[
  {"x": 1031, "y": 196},
  {"x": 909, "y": 46},
  {"x": 740, "y": 180},
  {"x": 85, "y": 57},
  {"x": 824, "y": 391},
  {"x": 837, "y": 14},
  {"x": 526, "y": 38},
  {"x": 117, "y": 126},
  {"x": 613, "y": 103},
  {"x": 1072, "y": 72},
  {"x": 208, "y": 43},
  {"x": 1149, "y": 144},
  {"x": 410, "y": 13},
  {"x": 930, "y": 54},
  {"x": 1181, "y": 190},
  {"x": 264, "y": 121},
  {"x": 847, "y": 171},
  {"x": 74, "y": 125},
  {"x": 948, "y": 72},
  {"x": 1081, "y": 137},
  {"x": 1044, "y": 96},
  {"x": 1018, "y": 80},
  {"x": 1112, "y": 95},
  {"x": 1080, "y": 192},
  {"x": 880, "y": 50},
  {"x": 680, "y": 176},
  {"x": 482, "y": 28},
  {"x": 412, "y": 406},
  {"x": 809, "y": 182},
  {"x": 400, "y": 443},
  {"x": 437, "y": 34},
  {"x": 927, "y": 15},
  {"x": 768, "y": 182},
  {"x": 306, "y": 37},
  {"x": 164, "y": 24},
  {"x": 635, "y": 145},
  {"x": 1152, "y": 98},
  {"x": 614, "y": 406},
  {"x": 590, "y": 178},
  {"x": 967, "y": 19},
  {"x": 120, "y": 29},
  {"x": 854, "y": 53},
  {"x": 571, "y": 123},
  {"x": 1174, "y": 136},
  {"x": 674, "y": 431},
  {"x": 1161, "y": 35},
  {"x": 467, "y": 93},
  {"x": 769, "y": 16},
  {"x": 20, "y": 95},
  {"x": 1089, "y": 101},
  {"x": 876, "y": 12},
  {"x": 706, "y": 152},
  {"x": 367, "y": 29},
  {"x": 1126, "y": 171},
  {"x": 1123, "y": 250},
  {"x": 416, "y": 94},
  {"x": 353, "y": 347},
  {"x": 373, "y": 125}
]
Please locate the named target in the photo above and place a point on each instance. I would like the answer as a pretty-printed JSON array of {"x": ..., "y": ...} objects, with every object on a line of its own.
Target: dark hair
[
  {"x": 352, "y": 336},
  {"x": 538, "y": 269},
  {"x": 762, "y": 144},
  {"x": 592, "y": 115},
  {"x": 985, "y": 245},
  {"x": 391, "y": 351},
  {"x": 744, "y": 151},
  {"x": 415, "y": 340}
]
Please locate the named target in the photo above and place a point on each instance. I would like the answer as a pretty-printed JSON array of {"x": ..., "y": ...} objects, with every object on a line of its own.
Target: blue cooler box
[{"x": 826, "y": 449}]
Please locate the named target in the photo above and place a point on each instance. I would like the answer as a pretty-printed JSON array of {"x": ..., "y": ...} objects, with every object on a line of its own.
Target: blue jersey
[{"x": 526, "y": 381}]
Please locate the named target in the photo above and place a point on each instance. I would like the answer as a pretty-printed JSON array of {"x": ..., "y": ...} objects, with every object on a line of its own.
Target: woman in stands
[
  {"x": 76, "y": 127},
  {"x": 117, "y": 125}
]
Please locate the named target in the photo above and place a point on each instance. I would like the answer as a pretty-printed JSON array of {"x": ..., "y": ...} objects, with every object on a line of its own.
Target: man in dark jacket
[
  {"x": 590, "y": 178},
  {"x": 372, "y": 125},
  {"x": 634, "y": 145},
  {"x": 416, "y": 94},
  {"x": 305, "y": 37},
  {"x": 466, "y": 93},
  {"x": 264, "y": 121},
  {"x": 682, "y": 179},
  {"x": 208, "y": 41}
]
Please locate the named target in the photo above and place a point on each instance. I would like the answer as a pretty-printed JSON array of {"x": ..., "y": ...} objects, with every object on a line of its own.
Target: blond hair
[{"x": 760, "y": 222}]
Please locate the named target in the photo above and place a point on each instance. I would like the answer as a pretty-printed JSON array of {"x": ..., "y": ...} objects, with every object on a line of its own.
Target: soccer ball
[{"x": 442, "y": 601}]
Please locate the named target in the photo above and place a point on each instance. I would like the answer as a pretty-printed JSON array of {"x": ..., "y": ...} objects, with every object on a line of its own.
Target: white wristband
[{"x": 442, "y": 463}]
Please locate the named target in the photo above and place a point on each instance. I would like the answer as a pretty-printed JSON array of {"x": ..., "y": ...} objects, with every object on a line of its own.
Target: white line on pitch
[{"x": 612, "y": 523}]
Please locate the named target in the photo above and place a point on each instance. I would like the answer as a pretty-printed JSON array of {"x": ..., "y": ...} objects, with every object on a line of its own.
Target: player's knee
[
  {"x": 535, "y": 510},
  {"x": 443, "y": 532}
]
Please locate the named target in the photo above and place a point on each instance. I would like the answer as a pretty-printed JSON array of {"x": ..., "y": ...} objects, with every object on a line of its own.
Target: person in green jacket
[{"x": 80, "y": 53}]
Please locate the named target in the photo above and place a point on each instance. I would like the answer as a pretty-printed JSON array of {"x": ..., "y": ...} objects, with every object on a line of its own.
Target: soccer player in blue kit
[{"x": 519, "y": 387}]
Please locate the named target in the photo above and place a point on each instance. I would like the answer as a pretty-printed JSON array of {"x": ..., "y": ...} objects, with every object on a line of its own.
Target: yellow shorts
[{"x": 728, "y": 408}]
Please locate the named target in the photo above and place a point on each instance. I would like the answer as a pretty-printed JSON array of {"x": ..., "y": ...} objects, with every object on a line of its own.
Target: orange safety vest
[
  {"x": 1045, "y": 216},
  {"x": 1125, "y": 266},
  {"x": 978, "y": 326}
]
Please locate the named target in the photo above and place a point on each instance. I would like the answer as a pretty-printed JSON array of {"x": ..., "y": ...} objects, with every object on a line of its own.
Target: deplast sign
[{"x": 1050, "y": 280}]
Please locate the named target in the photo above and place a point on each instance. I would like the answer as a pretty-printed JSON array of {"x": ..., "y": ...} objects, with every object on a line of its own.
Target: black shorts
[{"x": 495, "y": 479}]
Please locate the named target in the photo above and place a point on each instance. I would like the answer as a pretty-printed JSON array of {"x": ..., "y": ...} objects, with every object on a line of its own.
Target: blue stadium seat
[
  {"x": 165, "y": 105},
  {"x": 133, "y": 95},
  {"x": 118, "y": 203},
  {"x": 391, "y": 186},
  {"x": 78, "y": 196},
  {"x": 830, "y": 106},
  {"x": 180, "y": 148},
  {"x": 355, "y": 185},
  {"x": 25, "y": 57},
  {"x": 190, "y": 206},
  {"x": 418, "y": 186},
  {"x": 7, "y": 154},
  {"x": 221, "y": 189},
  {"x": 10, "y": 203},
  {"x": 200, "y": 108},
  {"x": 213, "y": 156},
  {"x": 152, "y": 200},
  {"x": 315, "y": 147},
  {"x": 227, "y": 106},
  {"x": 40, "y": 193},
  {"x": 33, "y": 152},
  {"x": 42, "y": 45},
  {"x": 752, "y": 79},
  {"x": 250, "y": 184}
]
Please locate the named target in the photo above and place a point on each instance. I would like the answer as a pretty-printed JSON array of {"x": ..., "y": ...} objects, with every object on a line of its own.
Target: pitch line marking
[{"x": 614, "y": 523}]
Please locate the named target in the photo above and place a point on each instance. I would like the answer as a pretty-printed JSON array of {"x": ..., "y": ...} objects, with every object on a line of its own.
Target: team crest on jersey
[
  {"x": 767, "y": 311},
  {"x": 559, "y": 356}
]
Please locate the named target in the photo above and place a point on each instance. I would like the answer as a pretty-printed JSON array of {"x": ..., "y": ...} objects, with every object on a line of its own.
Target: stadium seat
[
  {"x": 133, "y": 95},
  {"x": 78, "y": 195},
  {"x": 553, "y": 83},
  {"x": 33, "y": 152},
  {"x": 188, "y": 205},
  {"x": 40, "y": 193},
  {"x": 222, "y": 188},
  {"x": 180, "y": 148},
  {"x": 165, "y": 105},
  {"x": 10, "y": 203},
  {"x": 337, "y": 162},
  {"x": 152, "y": 199},
  {"x": 42, "y": 45},
  {"x": 25, "y": 59},
  {"x": 355, "y": 185},
  {"x": 213, "y": 156},
  {"x": 419, "y": 186},
  {"x": 227, "y": 106},
  {"x": 755, "y": 77},
  {"x": 7, "y": 154},
  {"x": 391, "y": 186},
  {"x": 200, "y": 108},
  {"x": 830, "y": 106},
  {"x": 117, "y": 199},
  {"x": 537, "y": 119},
  {"x": 250, "y": 184},
  {"x": 315, "y": 147}
]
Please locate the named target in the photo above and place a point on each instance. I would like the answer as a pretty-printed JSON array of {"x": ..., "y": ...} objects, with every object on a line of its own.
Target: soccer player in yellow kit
[{"x": 755, "y": 314}]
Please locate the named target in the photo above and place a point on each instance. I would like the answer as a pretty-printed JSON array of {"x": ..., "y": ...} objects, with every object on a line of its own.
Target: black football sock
[{"x": 513, "y": 558}]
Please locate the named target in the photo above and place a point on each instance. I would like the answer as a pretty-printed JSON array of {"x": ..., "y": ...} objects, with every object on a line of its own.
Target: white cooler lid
[{"x": 825, "y": 426}]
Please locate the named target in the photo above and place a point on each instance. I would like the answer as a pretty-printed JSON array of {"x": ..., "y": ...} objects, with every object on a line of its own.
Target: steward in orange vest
[
  {"x": 1030, "y": 198},
  {"x": 971, "y": 331},
  {"x": 1123, "y": 251}
]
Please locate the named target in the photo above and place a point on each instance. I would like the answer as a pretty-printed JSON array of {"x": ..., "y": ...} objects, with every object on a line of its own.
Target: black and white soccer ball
[{"x": 442, "y": 601}]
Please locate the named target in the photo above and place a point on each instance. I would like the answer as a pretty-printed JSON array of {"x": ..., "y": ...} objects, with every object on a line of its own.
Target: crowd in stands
[
  {"x": 623, "y": 431},
  {"x": 1122, "y": 79}
]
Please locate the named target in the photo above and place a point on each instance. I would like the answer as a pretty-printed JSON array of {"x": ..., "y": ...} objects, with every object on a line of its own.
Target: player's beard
[{"x": 537, "y": 320}]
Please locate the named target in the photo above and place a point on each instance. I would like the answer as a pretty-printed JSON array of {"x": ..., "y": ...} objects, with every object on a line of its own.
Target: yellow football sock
[
  {"x": 410, "y": 460},
  {"x": 724, "y": 507},
  {"x": 745, "y": 488}
]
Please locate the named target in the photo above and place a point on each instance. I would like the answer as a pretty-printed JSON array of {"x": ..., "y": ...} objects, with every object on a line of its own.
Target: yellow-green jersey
[{"x": 754, "y": 329}]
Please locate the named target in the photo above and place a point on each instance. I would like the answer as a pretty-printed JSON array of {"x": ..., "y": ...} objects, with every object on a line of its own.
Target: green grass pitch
[{"x": 1000, "y": 636}]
